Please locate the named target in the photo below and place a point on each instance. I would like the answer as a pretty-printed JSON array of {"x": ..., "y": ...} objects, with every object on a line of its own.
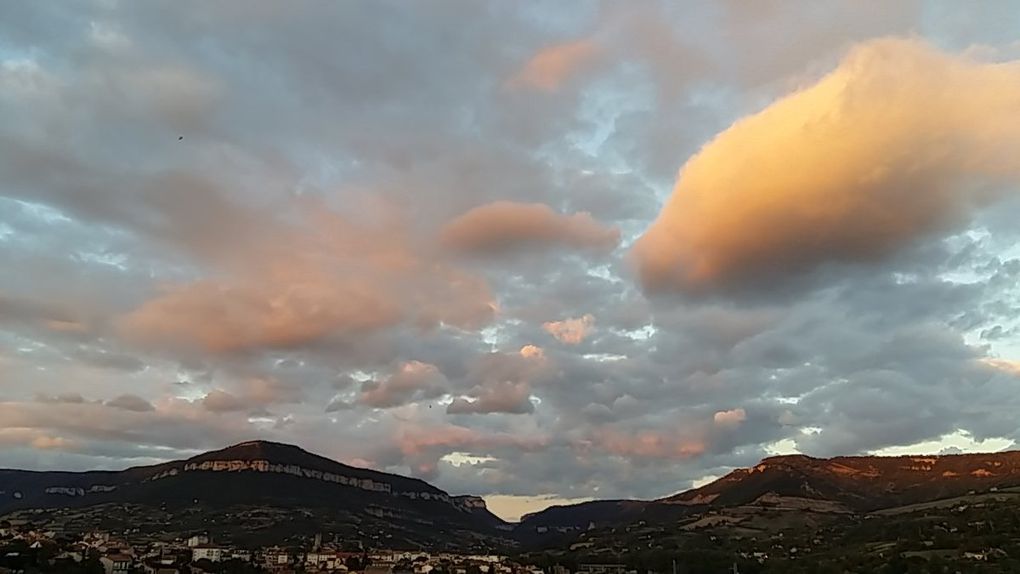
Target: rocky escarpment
[
  {"x": 256, "y": 474},
  {"x": 860, "y": 483},
  {"x": 854, "y": 484}
]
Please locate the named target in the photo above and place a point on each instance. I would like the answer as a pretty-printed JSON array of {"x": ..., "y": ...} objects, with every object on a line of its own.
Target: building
[
  {"x": 275, "y": 558},
  {"x": 240, "y": 554},
  {"x": 116, "y": 563},
  {"x": 207, "y": 552},
  {"x": 330, "y": 560},
  {"x": 161, "y": 566},
  {"x": 602, "y": 569}
]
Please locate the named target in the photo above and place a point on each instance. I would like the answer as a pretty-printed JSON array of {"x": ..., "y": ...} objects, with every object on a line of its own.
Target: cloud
[
  {"x": 506, "y": 226},
  {"x": 109, "y": 360},
  {"x": 645, "y": 444},
  {"x": 233, "y": 317},
  {"x": 414, "y": 380},
  {"x": 130, "y": 403},
  {"x": 41, "y": 314},
  {"x": 255, "y": 394},
  {"x": 571, "y": 331},
  {"x": 64, "y": 398},
  {"x": 553, "y": 65},
  {"x": 417, "y": 440},
  {"x": 898, "y": 142},
  {"x": 502, "y": 397},
  {"x": 532, "y": 352},
  {"x": 337, "y": 404},
  {"x": 730, "y": 418},
  {"x": 331, "y": 278},
  {"x": 1011, "y": 367},
  {"x": 220, "y": 401},
  {"x": 52, "y": 443}
]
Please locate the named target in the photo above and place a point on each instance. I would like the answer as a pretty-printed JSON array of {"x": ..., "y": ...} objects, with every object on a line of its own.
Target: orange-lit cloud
[
  {"x": 532, "y": 352},
  {"x": 571, "y": 331},
  {"x": 506, "y": 226},
  {"x": 414, "y": 439},
  {"x": 899, "y": 141},
  {"x": 413, "y": 380},
  {"x": 250, "y": 394},
  {"x": 730, "y": 418},
  {"x": 225, "y": 317},
  {"x": 647, "y": 444},
  {"x": 548, "y": 69},
  {"x": 1008, "y": 366},
  {"x": 52, "y": 443},
  {"x": 335, "y": 277}
]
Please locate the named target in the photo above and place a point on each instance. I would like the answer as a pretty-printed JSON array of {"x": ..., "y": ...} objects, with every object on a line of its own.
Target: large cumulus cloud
[{"x": 899, "y": 141}]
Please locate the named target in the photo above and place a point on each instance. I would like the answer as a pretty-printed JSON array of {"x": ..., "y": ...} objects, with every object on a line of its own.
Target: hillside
[
  {"x": 860, "y": 483},
  {"x": 227, "y": 489},
  {"x": 262, "y": 492},
  {"x": 856, "y": 484}
]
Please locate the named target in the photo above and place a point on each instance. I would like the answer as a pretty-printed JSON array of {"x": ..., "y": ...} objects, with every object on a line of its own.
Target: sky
[{"x": 535, "y": 251}]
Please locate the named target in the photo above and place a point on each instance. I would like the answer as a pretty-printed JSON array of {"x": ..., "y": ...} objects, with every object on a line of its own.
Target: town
[{"x": 25, "y": 549}]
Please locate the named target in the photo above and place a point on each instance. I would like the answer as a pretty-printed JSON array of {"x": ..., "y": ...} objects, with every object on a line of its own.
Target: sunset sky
[{"x": 536, "y": 251}]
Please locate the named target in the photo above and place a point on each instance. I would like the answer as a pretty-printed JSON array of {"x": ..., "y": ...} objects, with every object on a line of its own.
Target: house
[
  {"x": 602, "y": 569},
  {"x": 116, "y": 563},
  {"x": 240, "y": 554},
  {"x": 72, "y": 555},
  {"x": 275, "y": 558},
  {"x": 161, "y": 566},
  {"x": 169, "y": 570},
  {"x": 208, "y": 552}
]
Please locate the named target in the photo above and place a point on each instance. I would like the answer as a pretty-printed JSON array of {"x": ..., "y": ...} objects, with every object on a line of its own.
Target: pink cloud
[
  {"x": 645, "y": 444},
  {"x": 553, "y": 65},
  {"x": 416, "y": 440},
  {"x": 730, "y": 418},
  {"x": 414, "y": 380},
  {"x": 507, "y": 226},
  {"x": 532, "y": 352},
  {"x": 571, "y": 331},
  {"x": 334, "y": 277}
]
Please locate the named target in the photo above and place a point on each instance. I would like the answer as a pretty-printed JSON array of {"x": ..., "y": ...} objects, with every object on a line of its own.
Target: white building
[
  {"x": 207, "y": 552},
  {"x": 116, "y": 564}
]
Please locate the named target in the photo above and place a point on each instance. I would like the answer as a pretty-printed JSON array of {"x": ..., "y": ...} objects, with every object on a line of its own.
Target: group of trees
[{"x": 18, "y": 556}]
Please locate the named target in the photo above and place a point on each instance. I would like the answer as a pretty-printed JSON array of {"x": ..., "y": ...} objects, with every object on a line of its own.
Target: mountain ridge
[
  {"x": 257, "y": 476},
  {"x": 263, "y": 474},
  {"x": 856, "y": 484}
]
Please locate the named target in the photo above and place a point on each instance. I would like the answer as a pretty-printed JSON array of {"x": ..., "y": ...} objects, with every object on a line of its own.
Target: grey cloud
[
  {"x": 70, "y": 398},
  {"x": 130, "y": 403},
  {"x": 219, "y": 401},
  {"x": 505, "y": 397}
]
